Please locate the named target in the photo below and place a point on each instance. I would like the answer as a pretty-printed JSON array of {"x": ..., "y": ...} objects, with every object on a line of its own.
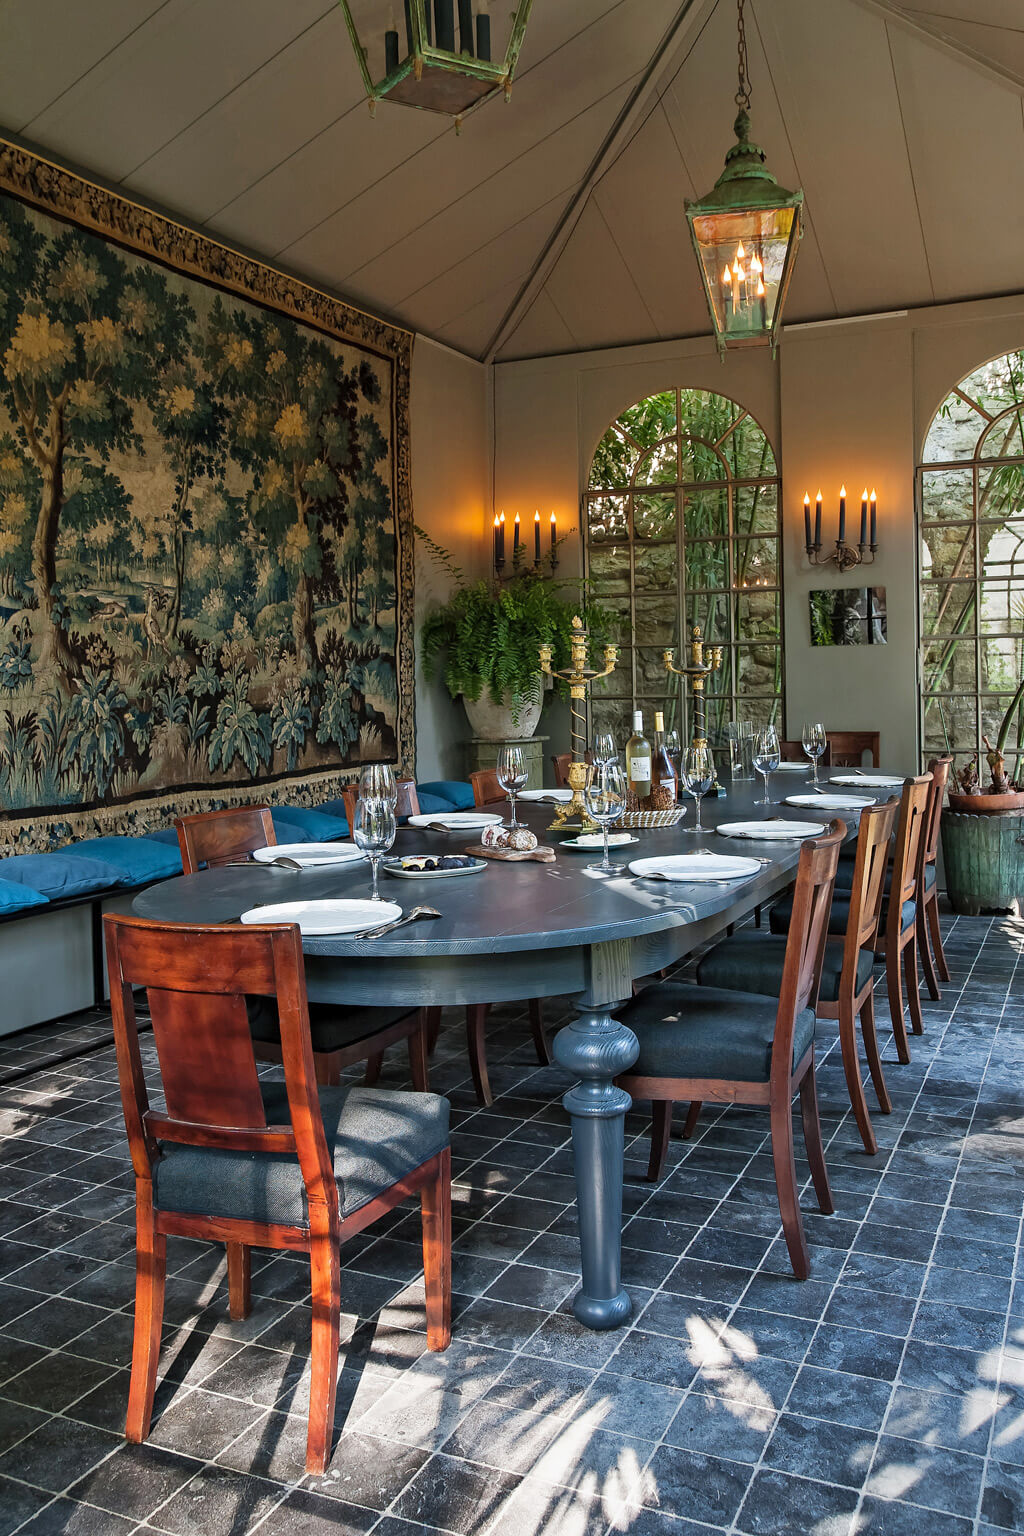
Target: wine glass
[
  {"x": 374, "y": 832},
  {"x": 766, "y": 756},
  {"x": 674, "y": 748},
  {"x": 697, "y": 774},
  {"x": 377, "y": 782},
  {"x": 605, "y": 750},
  {"x": 605, "y": 797},
  {"x": 814, "y": 745},
  {"x": 513, "y": 775}
]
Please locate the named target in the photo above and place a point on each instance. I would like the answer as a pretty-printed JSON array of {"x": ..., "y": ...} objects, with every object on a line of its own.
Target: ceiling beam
[
  {"x": 690, "y": 18},
  {"x": 932, "y": 31}
]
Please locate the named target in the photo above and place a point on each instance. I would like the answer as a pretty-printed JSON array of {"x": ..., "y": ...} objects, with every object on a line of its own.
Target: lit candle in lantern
[
  {"x": 864, "y": 517},
  {"x": 842, "y": 513},
  {"x": 817, "y": 520},
  {"x": 874, "y": 513},
  {"x": 729, "y": 294},
  {"x": 536, "y": 538},
  {"x": 515, "y": 539},
  {"x": 807, "y": 520}
]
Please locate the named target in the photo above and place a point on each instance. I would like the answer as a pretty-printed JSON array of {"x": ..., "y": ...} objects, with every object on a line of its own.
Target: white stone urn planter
[{"x": 493, "y": 722}]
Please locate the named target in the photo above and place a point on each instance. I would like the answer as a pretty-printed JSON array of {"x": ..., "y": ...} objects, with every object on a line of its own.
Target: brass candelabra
[
  {"x": 704, "y": 660},
  {"x": 579, "y": 678}
]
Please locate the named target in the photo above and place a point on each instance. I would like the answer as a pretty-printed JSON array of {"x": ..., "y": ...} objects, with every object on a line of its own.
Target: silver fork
[
  {"x": 412, "y": 916},
  {"x": 283, "y": 862}
]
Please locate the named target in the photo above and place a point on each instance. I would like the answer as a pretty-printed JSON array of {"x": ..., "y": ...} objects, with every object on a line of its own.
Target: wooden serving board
[{"x": 513, "y": 855}]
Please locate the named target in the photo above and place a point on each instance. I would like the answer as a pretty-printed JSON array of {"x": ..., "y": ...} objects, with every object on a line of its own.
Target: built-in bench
[{"x": 52, "y": 904}]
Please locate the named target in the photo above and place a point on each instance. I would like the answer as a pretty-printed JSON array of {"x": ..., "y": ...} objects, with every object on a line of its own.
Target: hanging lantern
[
  {"x": 745, "y": 234},
  {"x": 433, "y": 54}
]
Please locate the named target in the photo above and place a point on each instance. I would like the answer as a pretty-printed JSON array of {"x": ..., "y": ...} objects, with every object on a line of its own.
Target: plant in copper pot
[
  {"x": 1003, "y": 793},
  {"x": 983, "y": 829}
]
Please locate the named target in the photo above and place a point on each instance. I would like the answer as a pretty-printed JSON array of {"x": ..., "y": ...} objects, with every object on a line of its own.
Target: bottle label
[{"x": 640, "y": 770}]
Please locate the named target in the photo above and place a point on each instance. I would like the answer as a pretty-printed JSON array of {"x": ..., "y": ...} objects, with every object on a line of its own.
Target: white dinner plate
[
  {"x": 830, "y": 802},
  {"x": 793, "y": 768},
  {"x": 774, "y": 831},
  {"x": 547, "y": 796},
  {"x": 697, "y": 866},
  {"x": 309, "y": 855},
  {"x": 457, "y": 821},
  {"x": 868, "y": 780},
  {"x": 397, "y": 868},
  {"x": 593, "y": 842},
  {"x": 321, "y": 917}
]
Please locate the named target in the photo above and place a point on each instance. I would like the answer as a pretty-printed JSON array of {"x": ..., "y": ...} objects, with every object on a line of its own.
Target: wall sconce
[
  {"x": 843, "y": 555},
  {"x": 519, "y": 544}
]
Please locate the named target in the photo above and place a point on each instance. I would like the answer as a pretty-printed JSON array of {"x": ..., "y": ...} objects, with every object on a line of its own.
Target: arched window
[
  {"x": 682, "y": 528},
  {"x": 971, "y": 521}
]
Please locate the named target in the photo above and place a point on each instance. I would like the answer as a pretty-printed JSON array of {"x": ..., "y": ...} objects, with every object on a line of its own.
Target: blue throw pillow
[
  {"x": 314, "y": 826},
  {"x": 59, "y": 875},
  {"x": 165, "y": 835},
  {"x": 333, "y": 808},
  {"x": 140, "y": 859},
  {"x": 458, "y": 794},
  {"x": 434, "y": 805},
  {"x": 14, "y": 897}
]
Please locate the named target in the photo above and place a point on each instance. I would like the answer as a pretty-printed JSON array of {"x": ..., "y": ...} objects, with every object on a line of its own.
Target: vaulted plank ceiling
[{"x": 247, "y": 117}]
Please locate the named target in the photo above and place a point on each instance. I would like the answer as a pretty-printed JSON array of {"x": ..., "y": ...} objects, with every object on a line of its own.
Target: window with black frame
[{"x": 682, "y": 528}]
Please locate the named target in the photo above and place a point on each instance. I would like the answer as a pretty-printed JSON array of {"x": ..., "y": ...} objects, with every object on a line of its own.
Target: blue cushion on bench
[
  {"x": 15, "y": 897},
  {"x": 139, "y": 859},
  {"x": 58, "y": 875},
  {"x": 313, "y": 826},
  {"x": 434, "y": 805},
  {"x": 165, "y": 835},
  {"x": 458, "y": 795},
  {"x": 334, "y": 808}
]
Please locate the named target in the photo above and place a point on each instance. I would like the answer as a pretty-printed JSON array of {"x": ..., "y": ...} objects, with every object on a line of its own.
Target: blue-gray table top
[{"x": 510, "y": 907}]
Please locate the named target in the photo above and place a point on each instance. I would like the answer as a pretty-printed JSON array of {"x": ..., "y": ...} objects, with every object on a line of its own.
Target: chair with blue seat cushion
[
  {"x": 297, "y": 824},
  {"x": 755, "y": 962},
  {"x": 62, "y": 876},
  {"x": 284, "y": 1166},
  {"x": 707, "y": 1044},
  {"x": 140, "y": 859},
  {"x": 341, "y": 1036},
  {"x": 457, "y": 792},
  {"x": 16, "y": 897}
]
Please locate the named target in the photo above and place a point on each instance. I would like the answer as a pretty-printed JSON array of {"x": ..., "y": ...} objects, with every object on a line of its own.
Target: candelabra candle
[
  {"x": 874, "y": 511},
  {"x": 807, "y": 520},
  {"x": 842, "y": 515},
  {"x": 536, "y": 538},
  {"x": 515, "y": 540},
  {"x": 864, "y": 518},
  {"x": 499, "y": 553},
  {"x": 501, "y": 538},
  {"x": 817, "y": 521}
]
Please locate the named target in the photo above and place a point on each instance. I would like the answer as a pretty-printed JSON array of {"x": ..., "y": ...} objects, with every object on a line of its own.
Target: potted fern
[
  {"x": 486, "y": 641},
  {"x": 982, "y": 841}
]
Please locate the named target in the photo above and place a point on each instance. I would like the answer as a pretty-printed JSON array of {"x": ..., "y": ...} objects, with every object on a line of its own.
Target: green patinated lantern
[
  {"x": 745, "y": 234},
  {"x": 433, "y": 54}
]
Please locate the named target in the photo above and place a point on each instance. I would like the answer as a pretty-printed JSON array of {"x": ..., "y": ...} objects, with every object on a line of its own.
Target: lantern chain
[{"x": 743, "y": 93}]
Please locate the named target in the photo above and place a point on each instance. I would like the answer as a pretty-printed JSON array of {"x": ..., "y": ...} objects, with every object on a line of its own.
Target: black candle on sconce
[
  {"x": 864, "y": 518},
  {"x": 515, "y": 541},
  {"x": 817, "y": 521},
  {"x": 536, "y": 538},
  {"x": 842, "y": 555},
  {"x": 874, "y": 524},
  {"x": 499, "y": 544}
]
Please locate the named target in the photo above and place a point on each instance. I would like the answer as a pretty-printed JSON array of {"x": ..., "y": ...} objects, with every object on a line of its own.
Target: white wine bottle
[{"x": 638, "y": 759}]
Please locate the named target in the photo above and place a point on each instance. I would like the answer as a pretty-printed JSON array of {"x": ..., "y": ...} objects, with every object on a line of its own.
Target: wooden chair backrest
[
  {"x": 793, "y": 752},
  {"x": 805, "y": 944},
  {"x": 196, "y": 979},
  {"x": 215, "y": 837},
  {"x": 868, "y": 888},
  {"x": 560, "y": 763},
  {"x": 486, "y": 788},
  {"x": 848, "y": 748},
  {"x": 939, "y": 768},
  {"x": 407, "y": 804},
  {"x": 906, "y": 859}
]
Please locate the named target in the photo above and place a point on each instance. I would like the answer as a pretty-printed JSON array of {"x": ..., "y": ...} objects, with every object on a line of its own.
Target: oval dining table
[{"x": 530, "y": 930}]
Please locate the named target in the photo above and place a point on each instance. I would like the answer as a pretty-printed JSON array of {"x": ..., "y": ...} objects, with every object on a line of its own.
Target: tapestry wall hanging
[{"x": 206, "y": 579}]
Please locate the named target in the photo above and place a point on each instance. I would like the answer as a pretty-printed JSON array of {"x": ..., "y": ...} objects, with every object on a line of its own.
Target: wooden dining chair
[
  {"x": 342, "y": 1037},
  {"x": 753, "y": 962},
  {"x": 407, "y": 804},
  {"x": 929, "y": 932},
  {"x": 712, "y": 1045},
  {"x": 848, "y": 748},
  {"x": 793, "y": 752},
  {"x": 560, "y": 762},
  {"x": 245, "y": 1163},
  {"x": 486, "y": 789}
]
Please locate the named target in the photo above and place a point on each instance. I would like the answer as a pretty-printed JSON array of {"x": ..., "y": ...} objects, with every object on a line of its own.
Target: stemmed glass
[
  {"x": 697, "y": 771},
  {"x": 513, "y": 775},
  {"x": 605, "y": 797},
  {"x": 605, "y": 750},
  {"x": 814, "y": 745},
  {"x": 377, "y": 782},
  {"x": 766, "y": 756},
  {"x": 374, "y": 832},
  {"x": 673, "y": 747}
]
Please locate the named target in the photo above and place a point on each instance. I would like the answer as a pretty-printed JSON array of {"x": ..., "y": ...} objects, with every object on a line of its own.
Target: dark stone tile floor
[{"x": 883, "y": 1397}]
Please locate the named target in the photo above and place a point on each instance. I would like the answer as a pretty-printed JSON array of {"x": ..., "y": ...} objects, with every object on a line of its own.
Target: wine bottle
[
  {"x": 663, "y": 774},
  {"x": 638, "y": 759}
]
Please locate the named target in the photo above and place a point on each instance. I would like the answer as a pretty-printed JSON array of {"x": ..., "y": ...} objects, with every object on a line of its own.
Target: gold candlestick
[
  {"x": 579, "y": 678},
  {"x": 704, "y": 659}
]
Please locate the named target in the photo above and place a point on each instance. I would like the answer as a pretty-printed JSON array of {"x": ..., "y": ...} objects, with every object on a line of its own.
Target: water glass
[
  {"x": 766, "y": 756},
  {"x": 513, "y": 775},
  {"x": 698, "y": 775},
  {"x": 377, "y": 782},
  {"x": 740, "y": 736},
  {"x": 605, "y": 798},
  {"x": 674, "y": 748},
  {"x": 815, "y": 742},
  {"x": 374, "y": 832},
  {"x": 605, "y": 750}
]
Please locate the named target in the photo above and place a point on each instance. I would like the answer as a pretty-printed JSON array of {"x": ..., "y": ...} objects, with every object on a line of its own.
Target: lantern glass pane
[{"x": 744, "y": 259}]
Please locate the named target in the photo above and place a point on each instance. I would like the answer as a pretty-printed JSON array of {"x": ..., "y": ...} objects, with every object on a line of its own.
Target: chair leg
[
  {"x": 786, "y": 1188},
  {"x": 373, "y": 1067},
  {"x": 150, "y": 1274},
  {"x": 913, "y": 985},
  {"x": 327, "y": 1068},
  {"x": 436, "y": 1209},
  {"x": 813, "y": 1142},
  {"x": 692, "y": 1116},
  {"x": 661, "y": 1130},
  {"x": 931, "y": 907},
  {"x": 239, "y": 1287},
  {"x": 540, "y": 1039},
  {"x": 432, "y": 1026},
  {"x": 476, "y": 1019},
  {"x": 417, "y": 1043},
  {"x": 927, "y": 963},
  {"x": 757, "y": 917},
  {"x": 894, "y": 984},
  {"x": 870, "y": 1038},
  {"x": 851, "y": 1067},
  {"x": 325, "y": 1277}
]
